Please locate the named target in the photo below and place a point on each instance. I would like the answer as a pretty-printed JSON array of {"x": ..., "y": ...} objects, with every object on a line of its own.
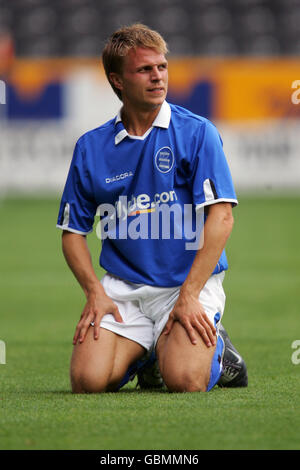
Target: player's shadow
[{"x": 126, "y": 391}]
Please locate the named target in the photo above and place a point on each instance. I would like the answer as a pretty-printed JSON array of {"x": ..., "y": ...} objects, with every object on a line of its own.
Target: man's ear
[{"x": 116, "y": 80}]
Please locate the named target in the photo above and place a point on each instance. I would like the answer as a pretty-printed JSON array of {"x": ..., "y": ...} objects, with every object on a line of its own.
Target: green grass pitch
[{"x": 40, "y": 306}]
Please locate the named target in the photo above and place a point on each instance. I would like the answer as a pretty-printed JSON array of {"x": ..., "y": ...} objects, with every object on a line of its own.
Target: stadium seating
[{"x": 191, "y": 27}]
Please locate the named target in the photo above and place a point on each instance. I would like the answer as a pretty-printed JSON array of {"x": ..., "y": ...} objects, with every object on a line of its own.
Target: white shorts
[{"x": 145, "y": 309}]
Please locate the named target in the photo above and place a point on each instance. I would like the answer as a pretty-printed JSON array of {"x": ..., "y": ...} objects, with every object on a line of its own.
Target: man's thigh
[
  {"x": 99, "y": 365},
  {"x": 184, "y": 366}
]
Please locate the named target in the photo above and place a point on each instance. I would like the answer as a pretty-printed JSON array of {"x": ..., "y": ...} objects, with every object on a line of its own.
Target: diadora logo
[
  {"x": 119, "y": 177},
  {"x": 164, "y": 160}
]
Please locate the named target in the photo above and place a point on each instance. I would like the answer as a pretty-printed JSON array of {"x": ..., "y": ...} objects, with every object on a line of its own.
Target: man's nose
[{"x": 156, "y": 74}]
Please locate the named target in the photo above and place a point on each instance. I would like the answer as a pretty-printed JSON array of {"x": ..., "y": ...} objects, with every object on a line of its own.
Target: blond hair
[{"x": 124, "y": 39}]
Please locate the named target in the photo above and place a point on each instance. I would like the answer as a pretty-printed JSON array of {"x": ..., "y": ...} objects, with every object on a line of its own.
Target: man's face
[{"x": 144, "y": 78}]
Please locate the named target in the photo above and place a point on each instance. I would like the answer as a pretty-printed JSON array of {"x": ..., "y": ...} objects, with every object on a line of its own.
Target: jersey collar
[{"x": 161, "y": 120}]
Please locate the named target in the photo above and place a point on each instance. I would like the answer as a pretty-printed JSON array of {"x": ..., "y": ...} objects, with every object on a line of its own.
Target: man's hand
[
  {"x": 190, "y": 313},
  {"x": 98, "y": 304}
]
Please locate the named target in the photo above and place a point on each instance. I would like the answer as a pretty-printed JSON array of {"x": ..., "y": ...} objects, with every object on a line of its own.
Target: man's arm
[
  {"x": 98, "y": 304},
  {"x": 188, "y": 310}
]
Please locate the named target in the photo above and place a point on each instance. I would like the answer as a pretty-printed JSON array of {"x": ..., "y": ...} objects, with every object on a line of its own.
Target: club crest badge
[{"x": 164, "y": 160}]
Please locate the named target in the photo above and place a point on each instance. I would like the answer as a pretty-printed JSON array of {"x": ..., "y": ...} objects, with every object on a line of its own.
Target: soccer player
[{"x": 162, "y": 294}]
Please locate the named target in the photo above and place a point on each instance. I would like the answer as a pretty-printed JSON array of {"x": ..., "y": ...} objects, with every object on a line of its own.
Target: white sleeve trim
[
  {"x": 73, "y": 230},
  {"x": 214, "y": 201}
]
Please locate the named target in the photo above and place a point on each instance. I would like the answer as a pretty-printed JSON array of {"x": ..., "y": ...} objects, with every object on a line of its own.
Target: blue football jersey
[{"x": 150, "y": 193}]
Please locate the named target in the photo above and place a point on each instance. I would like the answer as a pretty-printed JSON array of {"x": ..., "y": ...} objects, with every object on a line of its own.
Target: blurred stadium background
[{"x": 233, "y": 61}]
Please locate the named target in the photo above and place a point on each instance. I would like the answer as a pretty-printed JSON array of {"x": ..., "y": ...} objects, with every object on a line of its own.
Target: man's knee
[
  {"x": 186, "y": 381},
  {"x": 87, "y": 381}
]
